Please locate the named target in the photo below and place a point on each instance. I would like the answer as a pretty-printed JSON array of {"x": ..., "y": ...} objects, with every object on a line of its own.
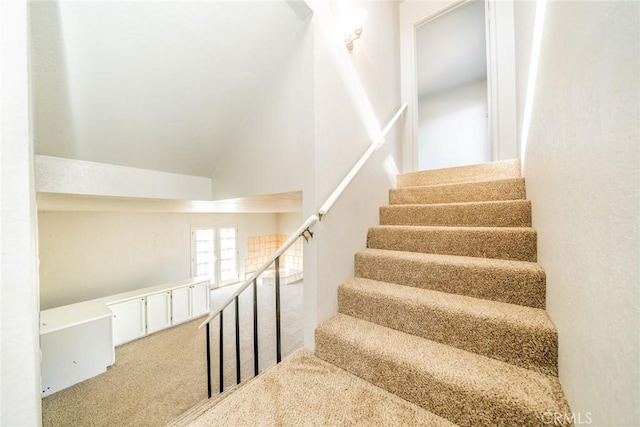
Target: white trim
[{"x": 493, "y": 116}]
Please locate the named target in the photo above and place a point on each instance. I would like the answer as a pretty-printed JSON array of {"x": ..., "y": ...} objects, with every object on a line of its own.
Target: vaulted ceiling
[{"x": 160, "y": 85}]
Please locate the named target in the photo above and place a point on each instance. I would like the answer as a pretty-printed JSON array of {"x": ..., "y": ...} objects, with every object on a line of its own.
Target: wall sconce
[{"x": 356, "y": 20}]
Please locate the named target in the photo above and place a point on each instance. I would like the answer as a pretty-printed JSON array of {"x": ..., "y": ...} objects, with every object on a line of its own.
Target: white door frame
[{"x": 500, "y": 63}]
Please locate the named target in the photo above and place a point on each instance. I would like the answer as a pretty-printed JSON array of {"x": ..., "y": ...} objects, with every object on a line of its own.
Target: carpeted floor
[
  {"x": 306, "y": 391},
  {"x": 157, "y": 378}
]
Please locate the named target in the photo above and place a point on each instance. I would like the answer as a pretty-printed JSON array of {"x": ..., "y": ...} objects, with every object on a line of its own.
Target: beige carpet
[
  {"x": 159, "y": 377},
  {"x": 306, "y": 391}
]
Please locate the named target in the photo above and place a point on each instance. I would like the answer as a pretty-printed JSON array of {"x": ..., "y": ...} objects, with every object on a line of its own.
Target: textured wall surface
[
  {"x": 86, "y": 255},
  {"x": 355, "y": 94},
  {"x": 66, "y": 176},
  {"x": 20, "y": 355},
  {"x": 582, "y": 174}
]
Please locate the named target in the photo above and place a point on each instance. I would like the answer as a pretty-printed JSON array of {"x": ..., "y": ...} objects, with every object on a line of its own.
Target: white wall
[
  {"x": 582, "y": 173},
  {"x": 524, "y": 13},
  {"x": 287, "y": 223},
  {"x": 20, "y": 356},
  {"x": 67, "y": 176},
  {"x": 453, "y": 127},
  {"x": 86, "y": 255},
  {"x": 355, "y": 94},
  {"x": 272, "y": 150}
]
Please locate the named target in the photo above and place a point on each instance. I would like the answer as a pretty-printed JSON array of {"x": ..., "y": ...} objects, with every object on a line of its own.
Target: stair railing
[{"x": 303, "y": 231}]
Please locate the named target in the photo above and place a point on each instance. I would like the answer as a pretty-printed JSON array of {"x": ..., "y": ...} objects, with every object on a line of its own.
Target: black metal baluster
[
  {"x": 278, "y": 332},
  {"x": 255, "y": 327},
  {"x": 237, "y": 342},
  {"x": 221, "y": 353},
  {"x": 208, "y": 362}
]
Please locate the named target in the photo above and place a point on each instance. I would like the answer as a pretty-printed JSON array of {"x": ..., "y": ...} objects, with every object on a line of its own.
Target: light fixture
[{"x": 356, "y": 20}]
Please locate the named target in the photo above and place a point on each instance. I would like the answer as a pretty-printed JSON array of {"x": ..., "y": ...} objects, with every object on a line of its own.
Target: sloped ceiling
[{"x": 159, "y": 85}]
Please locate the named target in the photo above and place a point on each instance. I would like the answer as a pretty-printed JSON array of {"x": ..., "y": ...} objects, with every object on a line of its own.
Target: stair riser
[
  {"x": 513, "y": 189},
  {"x": 499, "y": 244},
  {"x": 534, "y": 349},
  {"x": 406, "y": 380},
  {"x": 524, "y": 287},
  {"x": 492, "y": 214},
  {"x": 483, "y": 172}
]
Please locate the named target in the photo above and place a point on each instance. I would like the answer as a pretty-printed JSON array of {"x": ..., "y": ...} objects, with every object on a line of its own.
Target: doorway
[
  {"x": 500, "y": 66},
  {"x": 214, "y": 253},
  {"x": 452, "y": 91}
]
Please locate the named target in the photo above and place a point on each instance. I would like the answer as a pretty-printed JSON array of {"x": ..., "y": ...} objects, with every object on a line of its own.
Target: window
[
  {"x": 215, "y": 254},
  {"x": 204, "y": 252},
  {"x": 228, "y": 255}
]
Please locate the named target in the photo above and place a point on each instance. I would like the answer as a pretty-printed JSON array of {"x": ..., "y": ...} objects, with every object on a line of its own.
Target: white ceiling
[
  {"x": 451, "y": 50},
  {"x": 160, "y": 85}
]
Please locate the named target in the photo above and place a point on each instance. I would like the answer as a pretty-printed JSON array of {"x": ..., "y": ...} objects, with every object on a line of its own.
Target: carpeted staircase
[
  {"x": 447, "y": 306},
  {"x": 446, "y": 311}
]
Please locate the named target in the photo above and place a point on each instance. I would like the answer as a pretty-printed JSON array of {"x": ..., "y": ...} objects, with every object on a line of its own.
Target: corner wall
[
  {"x": 19, "y": 319},
  {"x": 582, "y": 173}
]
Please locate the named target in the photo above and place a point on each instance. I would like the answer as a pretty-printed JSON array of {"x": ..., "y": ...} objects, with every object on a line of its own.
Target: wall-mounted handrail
[
  {"x": 302, "y": 231},
  {"x": 356, "y": 168}
]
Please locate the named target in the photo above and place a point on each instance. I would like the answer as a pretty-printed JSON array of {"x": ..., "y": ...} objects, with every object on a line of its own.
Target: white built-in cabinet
[
  {"x": 189, "y": 302},
  {"x": 158, "y": 311},
  {"x": 146, "y": 314},
  {"x": 199, "y": 299},
  {"x": 129, "y": 321},
  {"x": 77, "y": 341},
  {"x": 181, "y": 304}
]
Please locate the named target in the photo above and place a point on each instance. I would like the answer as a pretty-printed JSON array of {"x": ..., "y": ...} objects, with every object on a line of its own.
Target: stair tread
[
  {"x": 460, "y": 184},
  {"x": 482, "y": 191},
  {"x": 502, "y": 213},
  {"x": 459, "y": 228},
  {"x": 469, "y": 173},
  {"x": 474, "y": 262},
  {"x": 461, "y": 204},
  {"x": 516, "y": 334},
  {"x": 418, "y": 365},
  {"x": 482, "y": 308},
  {"x": 516, "y": 243},
  {"x": 508, "y": 281}
]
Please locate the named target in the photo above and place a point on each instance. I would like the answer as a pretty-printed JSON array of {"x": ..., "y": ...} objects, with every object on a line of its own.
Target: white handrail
[
  {"x": 356, "y": 168},
  {"x": 308, "y": 223},
  {"x": 314, "y": 218}
]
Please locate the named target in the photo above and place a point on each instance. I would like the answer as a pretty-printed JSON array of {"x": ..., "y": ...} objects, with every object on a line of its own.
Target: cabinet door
[
  {"x": 200, "y": 299},
  {"x": 129, "y": 320},
  {"x": 180, "y": 305},
  {"x": 158, "y": 311}
]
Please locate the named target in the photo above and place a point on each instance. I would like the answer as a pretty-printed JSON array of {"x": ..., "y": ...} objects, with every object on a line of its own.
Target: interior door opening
[{"x": 451, "y": 68}]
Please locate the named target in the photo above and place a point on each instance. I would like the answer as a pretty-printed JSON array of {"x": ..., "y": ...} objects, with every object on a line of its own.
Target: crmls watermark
[{"x": 566, "y": 419}]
